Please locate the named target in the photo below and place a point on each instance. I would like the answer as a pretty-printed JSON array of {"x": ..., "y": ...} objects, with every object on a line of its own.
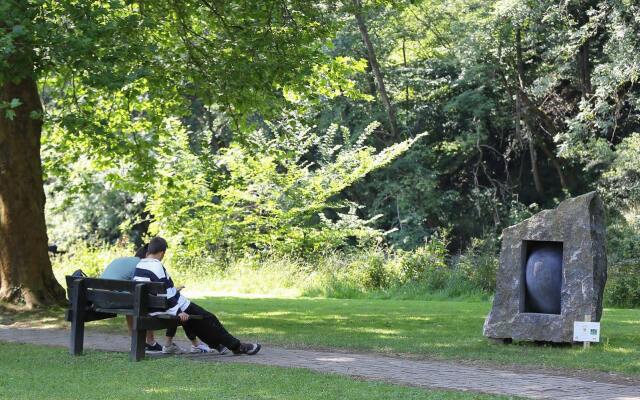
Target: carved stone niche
[{"x": 553, "y": 269}]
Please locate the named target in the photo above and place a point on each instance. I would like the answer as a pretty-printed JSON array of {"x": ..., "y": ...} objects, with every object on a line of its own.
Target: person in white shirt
[{"x": 209, "y": 329}]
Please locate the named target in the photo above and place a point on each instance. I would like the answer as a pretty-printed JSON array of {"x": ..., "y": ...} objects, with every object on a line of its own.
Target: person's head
[
  {"x": 156, "y": 248},
  {"x": 142, "y": 251}
]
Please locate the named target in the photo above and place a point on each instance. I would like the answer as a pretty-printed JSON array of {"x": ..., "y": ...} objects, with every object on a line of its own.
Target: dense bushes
[
  {"x": 623, "y": 284},
  {"x": 278, "y": 194},
  {"x": 428, "y": 271},
  {"x": 374, "y": 271}
]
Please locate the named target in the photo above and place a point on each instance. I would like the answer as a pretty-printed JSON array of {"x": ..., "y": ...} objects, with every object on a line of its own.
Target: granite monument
[{"x": 552, "y": 272}]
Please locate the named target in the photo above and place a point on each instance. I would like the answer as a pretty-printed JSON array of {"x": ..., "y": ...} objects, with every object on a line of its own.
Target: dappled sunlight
[
  {"x": 44, "y": 323},
  {"x": 205, "y": 292},
  {"x": 262, "y": 331},
  {"x": 162, "y": 390},
  {"x": 377, "y": 331},
  {"x": 439, "y": 345},
  {"x": 421, "y": 319},
  {"x": 48, "y": 319},
  {"x": 629, "y": 322},
  {"x": 278, "y": 313},
  {"x": 619, "y": 350}
]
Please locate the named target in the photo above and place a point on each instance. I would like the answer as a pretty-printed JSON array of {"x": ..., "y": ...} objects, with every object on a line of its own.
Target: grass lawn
[
  {"x": 440, "y": 329},
  {"x": 111, "y": 376}
]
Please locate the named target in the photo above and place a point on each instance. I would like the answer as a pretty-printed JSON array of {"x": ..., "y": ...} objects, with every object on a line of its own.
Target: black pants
[
  {"x": 209, "y": 329},
  {"x": 171, "y": 332}
]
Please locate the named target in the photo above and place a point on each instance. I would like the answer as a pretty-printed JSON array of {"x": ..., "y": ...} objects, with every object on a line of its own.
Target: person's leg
[
  {"x": 129, "y": 319},
  {"x": 209, "y": 329},
  {"x": 169, "y": 346},
  {"x": 151, "y": 338},
  {"x": 191, "y": 335},
  {"x": 170, "y": 334}
]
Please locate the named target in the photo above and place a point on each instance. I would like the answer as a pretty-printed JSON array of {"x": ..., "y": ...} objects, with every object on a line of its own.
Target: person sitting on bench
[
  {"x": 209, "y": 329},
  {"x": 123, "y": 268}
]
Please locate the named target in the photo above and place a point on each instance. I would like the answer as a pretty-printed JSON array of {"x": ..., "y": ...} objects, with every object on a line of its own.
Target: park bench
[{"x": 92, "y": 299}]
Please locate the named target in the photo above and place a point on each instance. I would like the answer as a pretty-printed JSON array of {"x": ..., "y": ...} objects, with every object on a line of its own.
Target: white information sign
[{"x": 586, "y": 331}]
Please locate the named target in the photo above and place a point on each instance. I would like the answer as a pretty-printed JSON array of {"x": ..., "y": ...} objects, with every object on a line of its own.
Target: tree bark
[
  {"x": 556, "y": 164},
  {"x": 375, "y": 67},
  {"x": 535, "y": 171},
  {"x": 25, "y": 269},
  {"x": 584, "y": 68},
  {"x": 404, "y": 62}
]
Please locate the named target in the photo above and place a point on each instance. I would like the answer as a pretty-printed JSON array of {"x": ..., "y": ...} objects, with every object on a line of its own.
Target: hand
[
  {"x": 184, "y": 317},
  {"x": 179, "y": 288}
]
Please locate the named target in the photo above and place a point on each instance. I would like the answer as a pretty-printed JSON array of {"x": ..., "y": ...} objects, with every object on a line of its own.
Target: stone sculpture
[{"x": 552, "y": 272}]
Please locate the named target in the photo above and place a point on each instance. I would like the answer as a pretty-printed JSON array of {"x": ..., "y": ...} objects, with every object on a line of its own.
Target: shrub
[
  {"x": 277, "y": 194},
  {"x": 623, "y": 285},
  {"x": 623, "y": 253},
  {"x": 427, "y": 263},
  {"x": 479, "y": 263}
]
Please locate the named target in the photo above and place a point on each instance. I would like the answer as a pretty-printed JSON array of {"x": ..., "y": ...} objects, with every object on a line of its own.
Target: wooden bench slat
[
  {"x": 108, "y": 299},
  {"x": 118, "y": 285}
]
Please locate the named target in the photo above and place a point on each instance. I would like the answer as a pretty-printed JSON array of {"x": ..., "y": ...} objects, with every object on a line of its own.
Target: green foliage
[
  {"x": 621, "y": 181},
  {"x": 479, "y": 263},
  {"x": 268, "y": 195},
  {"x": 92, "y": 260},
  {"x": 157, "y": 112},
  {"x": 623, "y": 245},
  {"x": 623, "y": 285},
  {"x": 428, "y": 263}
]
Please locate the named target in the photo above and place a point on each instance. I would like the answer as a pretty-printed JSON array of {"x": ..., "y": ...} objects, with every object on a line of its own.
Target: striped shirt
[{"x": 152, "y": 270}]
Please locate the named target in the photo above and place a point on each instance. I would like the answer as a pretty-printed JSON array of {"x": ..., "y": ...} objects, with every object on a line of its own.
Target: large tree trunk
[
  {"x": 375, "y": 67},
  {"x": 25, "y": 269}
]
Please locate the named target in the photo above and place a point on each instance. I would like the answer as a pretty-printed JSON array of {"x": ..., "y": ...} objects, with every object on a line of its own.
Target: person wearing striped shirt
[{"x": 209, "y": 329}]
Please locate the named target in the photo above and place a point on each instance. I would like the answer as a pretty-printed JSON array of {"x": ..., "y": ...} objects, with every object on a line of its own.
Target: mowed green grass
[
  {"x": 440, "y": 329},
  {"x": 435, "y": 329},
  {"x": 36, "y": 372}
]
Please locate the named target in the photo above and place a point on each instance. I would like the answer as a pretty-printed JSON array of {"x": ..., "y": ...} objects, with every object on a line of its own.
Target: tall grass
[{"x": 426, "y": 273}]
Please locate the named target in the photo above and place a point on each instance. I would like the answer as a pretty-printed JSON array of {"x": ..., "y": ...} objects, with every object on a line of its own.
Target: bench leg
[
  {"x": 137, "y": 345},
  {"x": 78, "y": 310},
  {"x": 77, "y": 335},
  {"x": 140, "y": 306}
]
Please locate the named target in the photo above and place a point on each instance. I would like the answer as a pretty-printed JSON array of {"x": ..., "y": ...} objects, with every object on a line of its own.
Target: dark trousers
[
  {"x": 171, "y": 332},
  {"x": 209, "y": 329}
]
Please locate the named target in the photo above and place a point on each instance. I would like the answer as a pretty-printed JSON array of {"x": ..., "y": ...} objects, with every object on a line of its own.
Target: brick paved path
[{"x": 426, "y": 374}]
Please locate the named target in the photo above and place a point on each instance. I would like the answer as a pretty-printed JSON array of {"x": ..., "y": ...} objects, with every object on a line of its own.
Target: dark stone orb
[{"x": 544, "y": 278}]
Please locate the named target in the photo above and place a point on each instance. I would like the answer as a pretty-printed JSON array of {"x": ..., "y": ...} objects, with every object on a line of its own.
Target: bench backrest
[{"x": 118, "y": 294}]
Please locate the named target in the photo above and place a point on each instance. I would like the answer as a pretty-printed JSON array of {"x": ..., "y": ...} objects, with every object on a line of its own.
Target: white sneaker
[
  {"x": 171, "y": 349},
  {"x": 222, "y": 350},
  {"x": 201, "y": 348}
]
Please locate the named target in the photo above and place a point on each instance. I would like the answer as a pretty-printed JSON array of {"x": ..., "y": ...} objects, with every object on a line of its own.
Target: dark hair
[
  {"x": 156, "y": 245},
  {"x": 142, "y": 251}
]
